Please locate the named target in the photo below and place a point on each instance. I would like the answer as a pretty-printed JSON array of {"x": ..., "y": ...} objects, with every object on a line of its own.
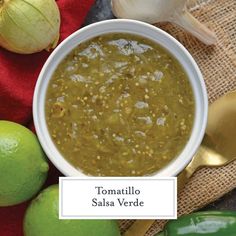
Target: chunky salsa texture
[{"x": 119, "y": 105}]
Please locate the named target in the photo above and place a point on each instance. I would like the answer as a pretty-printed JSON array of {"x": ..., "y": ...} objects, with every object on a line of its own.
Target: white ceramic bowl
[{"x": 133, "y": 27}]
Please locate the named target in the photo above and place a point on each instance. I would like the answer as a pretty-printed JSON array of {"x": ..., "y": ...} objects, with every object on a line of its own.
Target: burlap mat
[{"x": 218, "y": 65}]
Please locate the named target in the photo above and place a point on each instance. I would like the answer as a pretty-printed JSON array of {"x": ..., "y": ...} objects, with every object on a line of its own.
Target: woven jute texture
[{"x": 218, "y": 66}]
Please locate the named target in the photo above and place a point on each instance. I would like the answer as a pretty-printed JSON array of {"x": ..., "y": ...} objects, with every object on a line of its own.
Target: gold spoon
[{"x": 218, "y": 148}]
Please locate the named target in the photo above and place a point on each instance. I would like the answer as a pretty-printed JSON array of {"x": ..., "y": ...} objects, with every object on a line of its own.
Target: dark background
[{"x": 102, "y": 11}]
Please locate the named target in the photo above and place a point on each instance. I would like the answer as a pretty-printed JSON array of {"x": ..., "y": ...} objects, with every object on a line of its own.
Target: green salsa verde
[{"x": 119, "y": 105}]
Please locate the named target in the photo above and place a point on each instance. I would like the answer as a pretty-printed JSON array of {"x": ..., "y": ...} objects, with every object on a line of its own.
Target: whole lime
[
  {"x": 42, "y": 219},
  {"x": 23, "y": 166}
]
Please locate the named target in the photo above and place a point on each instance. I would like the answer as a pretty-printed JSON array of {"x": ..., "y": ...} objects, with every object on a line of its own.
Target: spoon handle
[
  {"x": 140, "y": 227},
  {"x": 187, "y": 21}
]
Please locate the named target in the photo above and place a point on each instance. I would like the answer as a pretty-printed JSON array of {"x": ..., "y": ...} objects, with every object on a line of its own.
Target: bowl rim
[{"x": 201, "y": 107}]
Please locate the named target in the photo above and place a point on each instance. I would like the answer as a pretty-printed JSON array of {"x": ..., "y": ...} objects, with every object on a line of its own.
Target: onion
[{"x": 29, "y": 26}]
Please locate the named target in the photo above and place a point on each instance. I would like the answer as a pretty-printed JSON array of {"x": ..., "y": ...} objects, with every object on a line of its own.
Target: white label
[{"x": 118, "y": 198}]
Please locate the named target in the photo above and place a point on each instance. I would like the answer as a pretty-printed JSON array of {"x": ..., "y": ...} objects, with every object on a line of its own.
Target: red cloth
[{"x": 18, "y": 75}]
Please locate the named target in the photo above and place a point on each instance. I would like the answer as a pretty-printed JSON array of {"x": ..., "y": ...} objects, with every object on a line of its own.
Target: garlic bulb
[
  {"x": 153, "y": 11},
  {"x": 28, "y": 26}
]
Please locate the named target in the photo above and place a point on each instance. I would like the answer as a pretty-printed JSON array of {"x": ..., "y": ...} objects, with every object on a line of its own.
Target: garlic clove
[
  {"x": 193, "y": 26},
  {"x": 153, "y": 11},
  {"x": 150, "y": 11}
]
